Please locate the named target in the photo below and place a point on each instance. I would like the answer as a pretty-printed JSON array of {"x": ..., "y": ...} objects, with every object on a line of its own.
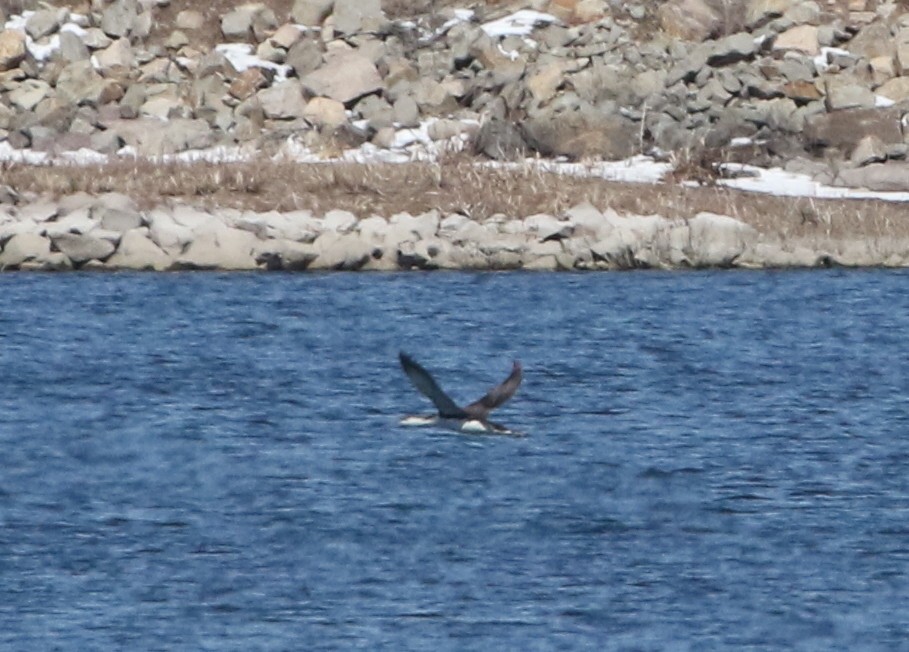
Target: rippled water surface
[{"x": 198, "y": 461}]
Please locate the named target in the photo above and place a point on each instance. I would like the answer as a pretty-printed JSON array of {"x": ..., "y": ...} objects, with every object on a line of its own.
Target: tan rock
[
  {"x": 562, "y": 9},
  {"x": 116, "y": 58},
  {"x": 544, "y": 83},
  {"x": 12, "y": 49},
  {"x": 27, "y": 94},
  {"x": 80, "y": 248},
  {"x": 137, "y": 251},
  {"x": 882, "y": 69},
  {"x": 24, "y": 247},
  {"x": 844, "y": 92},
  {"x": 283, "y": 101},
  {"x": 344, "y": 77},
  {"x": 802, "y": 38},
  {"x": 190, "y": 19},
  {"x": 873, "y": 41},
  {"x": 311, "y": 12},
  {"x": 356, "y": 16},
  {"x": 248, "y": 82},
  {"x": 325, "y": 112},
  {"x": 718, "y": 240},
  {"x": 897, "y": 89},
  {"x": 222, "y": 248},
  {"x": 286, "y": 36},
  {"x": 348, "y": 251},
  {"x": 870, "y": 149},
  {"x": 902, "y": 58},
  {"x": 760, "y": 12},
  {"x": 802, "y": 91},
  {"x": 691, "y": 20}
]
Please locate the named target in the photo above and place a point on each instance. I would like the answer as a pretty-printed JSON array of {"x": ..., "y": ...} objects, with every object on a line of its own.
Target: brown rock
[
  {"x": 844, "y": 129},
  {"x": 577, "y": 136},
  {"x": 248, "y": 82},
  {"x": 802, "y": 91}
]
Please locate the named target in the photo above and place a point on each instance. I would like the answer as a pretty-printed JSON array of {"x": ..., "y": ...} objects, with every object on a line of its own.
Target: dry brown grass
[{"x": 455, "y": 185}]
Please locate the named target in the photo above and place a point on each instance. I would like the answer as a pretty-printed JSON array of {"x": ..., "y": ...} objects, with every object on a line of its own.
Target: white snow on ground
[
  {"x": 520, "y": 23},
  {"x": 777, "y": 181},
  {"x": 413, "y": 145},
  {"x": 242, "y": 57}
]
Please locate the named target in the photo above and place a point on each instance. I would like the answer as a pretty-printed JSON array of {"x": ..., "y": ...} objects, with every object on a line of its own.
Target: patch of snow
[
  {"x": 520, "y": 23},
  {"x": 242, "y": 58},
  {"x": 10, "y": 155},
  {"x": 822, "y": 60},
  {"x": 83, "y": 156},
  {"x": 779, "y": 182},
  {"x": 883, "y": 102}
]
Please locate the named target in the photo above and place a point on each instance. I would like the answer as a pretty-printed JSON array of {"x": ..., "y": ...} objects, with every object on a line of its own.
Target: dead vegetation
[{"x": 458, "y": 184}]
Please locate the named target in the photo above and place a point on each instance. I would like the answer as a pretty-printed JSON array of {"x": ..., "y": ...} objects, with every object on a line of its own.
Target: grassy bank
[{"x": 453, "y": 185}]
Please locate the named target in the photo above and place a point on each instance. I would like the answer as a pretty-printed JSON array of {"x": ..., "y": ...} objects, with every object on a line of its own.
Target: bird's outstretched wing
[
  {"x": 424, "y": 382},
  {"x": 497, "y": 395}
]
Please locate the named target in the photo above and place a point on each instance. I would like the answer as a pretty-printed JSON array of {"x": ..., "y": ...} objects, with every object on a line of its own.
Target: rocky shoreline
[
  {"x": 109, "y": 232},
  {"x": 808, "y": 86}
]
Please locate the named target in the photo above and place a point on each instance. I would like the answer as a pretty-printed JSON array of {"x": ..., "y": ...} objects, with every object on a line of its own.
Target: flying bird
[{"x": 470, "y": 418}]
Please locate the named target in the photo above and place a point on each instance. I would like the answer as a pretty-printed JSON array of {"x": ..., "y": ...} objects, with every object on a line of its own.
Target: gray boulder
[
  {"x": 22, "y": 248},
  {"x": 283, "y": 101},
  {"x": 690, "y": 20},
  {"x": 842, "y": 92},
  {"x": 356, "y": 16},
  {"x": 732, "y": 49},
  {"x": 118, "y": 219},
  {"x": 44, "y": 22},
  {"x": 222, "y": 248},
  {"x": 345, "y": 252},
  {"x": 311, "y": 12},
  {"x": 136, "y": 251},
  {"x": 344, "y": 77},
  {"x": 882, "y": 177},
  {"x": 718, "y": 240},
  {"x": 117, "y": 19},
  {"x": 287, "y": 255},
  {"x": 82, "y": 248},
  {"x": 500, "y": 140}
]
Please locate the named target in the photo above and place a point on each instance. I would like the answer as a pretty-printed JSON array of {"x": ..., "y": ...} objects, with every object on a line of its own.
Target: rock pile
[
  {"x": 109, "y": 233},
  {"x": 786, "y": 77}
]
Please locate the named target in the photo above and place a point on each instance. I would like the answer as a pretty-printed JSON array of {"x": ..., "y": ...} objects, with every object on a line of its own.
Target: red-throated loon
[{"x": 471, "y": 418}]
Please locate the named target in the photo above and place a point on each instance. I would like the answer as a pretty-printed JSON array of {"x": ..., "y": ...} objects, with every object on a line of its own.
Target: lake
[{"x": 714, "y": 461}]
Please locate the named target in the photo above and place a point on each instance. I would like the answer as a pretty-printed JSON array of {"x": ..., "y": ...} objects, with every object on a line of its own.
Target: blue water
[{"x": 715, "y": 461}]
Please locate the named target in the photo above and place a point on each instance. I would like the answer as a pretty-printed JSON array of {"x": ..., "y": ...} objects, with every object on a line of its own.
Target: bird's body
[{"x": 470, "y": 418}]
